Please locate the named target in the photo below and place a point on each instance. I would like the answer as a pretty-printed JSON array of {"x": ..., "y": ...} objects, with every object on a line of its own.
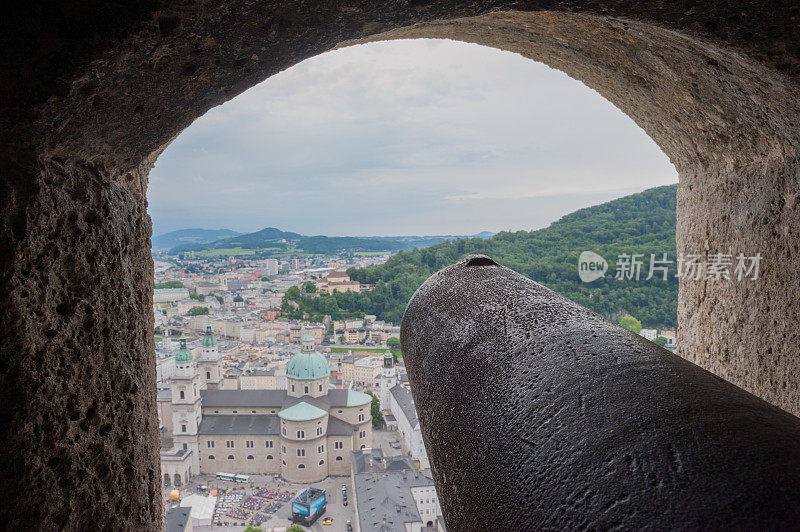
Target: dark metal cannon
[{"x": 539, "y": 414}]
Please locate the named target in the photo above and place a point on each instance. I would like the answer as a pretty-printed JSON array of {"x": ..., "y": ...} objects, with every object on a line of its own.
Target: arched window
[
  {"x": 269, "y": 457},
  {"x": 208, "y": 374},
  {"x": 321, "y": 462},
  {"x": 230, "y": 457},
  {"x": 305, "y": 389},
  {"x": 301, "y": 466},
  {"x": 183, "y": 395},
  {"x": 210, "y": 456},
  {"x": 292, "y": 387},
  {"x": 320, "y": 387},
  {"x": 363, "y": 446},
  {"x": 338, "y": 458},
  {"x": 250, "y": 457}
]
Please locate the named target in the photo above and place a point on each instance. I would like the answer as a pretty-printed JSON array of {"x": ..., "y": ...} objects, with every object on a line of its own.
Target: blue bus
[{"x": 308, "y": 505}]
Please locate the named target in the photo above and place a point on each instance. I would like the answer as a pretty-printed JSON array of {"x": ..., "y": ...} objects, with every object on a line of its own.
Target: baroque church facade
[{"x": 304, "y": 433}]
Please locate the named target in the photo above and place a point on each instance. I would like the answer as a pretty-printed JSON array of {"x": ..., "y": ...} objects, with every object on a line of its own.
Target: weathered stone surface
[
  {"x": 78, "y": 372},
  {"x": 94, "y": 90},
  {"x": 541, "y": 415}
]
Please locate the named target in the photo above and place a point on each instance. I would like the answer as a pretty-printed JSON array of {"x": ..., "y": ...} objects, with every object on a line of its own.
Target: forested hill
[{"x": 642, "y": 223}]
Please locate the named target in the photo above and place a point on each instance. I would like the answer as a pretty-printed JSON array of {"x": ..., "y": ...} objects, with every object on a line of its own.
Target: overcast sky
[{"x": 403, "y": 138}]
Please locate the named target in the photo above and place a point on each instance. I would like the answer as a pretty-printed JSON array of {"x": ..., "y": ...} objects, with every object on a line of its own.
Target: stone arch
[
  {"x": 177, "y": 480},
  {"x": 718, "y": 92}
]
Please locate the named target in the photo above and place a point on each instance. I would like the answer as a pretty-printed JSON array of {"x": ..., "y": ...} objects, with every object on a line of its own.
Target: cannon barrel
[{"x": 537, "y": 413}]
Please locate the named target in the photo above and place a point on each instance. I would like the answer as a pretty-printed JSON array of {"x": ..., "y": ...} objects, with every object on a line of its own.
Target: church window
[
  {"x": 249, "y": 444},
  {"x": 208, "y": 374},
  {"x": 301, "y": 434},
  {"x": 361, "y": 417},
  {"x": 292, "y": 387},
  {"x": 183, "y": 428},
  {"x": 338, "y": 445},
  {"x": 211, "y": 457},
  {"x": 268, "y": 444},
  {"x": 229, "y": 444},
  {"x": 320, "y": 387},
  {"x": 210, "y": 444},
  {"x": 250, "y": 457},
  {"x": 301, "y": 452},
  {"x": 338, "y": 458},
  {"x": 321, "y": 462},
  {"x": 306, "y": 389},
  {"x": 269, "y": 457},
  {"x": 183, "y": 395},
  {"x": 301, "y": 466},
  {"x": 230, "y": 457}
]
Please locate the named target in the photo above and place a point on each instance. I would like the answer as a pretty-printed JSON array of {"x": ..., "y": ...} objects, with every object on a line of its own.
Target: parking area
[
  {"x": 280, "y": 510},
  {"x": 388, "y": 441}
]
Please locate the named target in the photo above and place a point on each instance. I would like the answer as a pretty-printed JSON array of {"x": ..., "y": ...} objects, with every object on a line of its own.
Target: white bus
[
  {"x": 242, "y": 478},
  {"x": 226, "y": 476}
]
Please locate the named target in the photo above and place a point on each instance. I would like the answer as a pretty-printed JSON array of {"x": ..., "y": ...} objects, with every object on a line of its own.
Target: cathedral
[{"x": 304, "y": 433}]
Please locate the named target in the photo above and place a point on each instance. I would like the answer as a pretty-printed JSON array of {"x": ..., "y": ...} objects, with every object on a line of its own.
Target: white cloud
[{"x": 401, "y": 137}]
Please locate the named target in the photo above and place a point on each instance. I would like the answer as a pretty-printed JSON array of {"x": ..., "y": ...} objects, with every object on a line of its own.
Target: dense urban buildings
[{"x": 245, "y": 390}]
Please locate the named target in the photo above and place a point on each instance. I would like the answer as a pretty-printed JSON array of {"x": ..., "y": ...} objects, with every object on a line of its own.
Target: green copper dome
[
  {"x": 307, "y": 337},
  {"x": 301, "y": 412},
  {"x": 307, "y": 365},
  {"x": 183, "y": 355},
  {"x": 209, "y": 340}
]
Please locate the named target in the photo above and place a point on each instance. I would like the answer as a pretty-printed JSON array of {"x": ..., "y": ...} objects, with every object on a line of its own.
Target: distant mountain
[
  {"x": 273, "y": 238},
  {"x": 190, "y": 236},
  {"x": 411, "y": 242}
]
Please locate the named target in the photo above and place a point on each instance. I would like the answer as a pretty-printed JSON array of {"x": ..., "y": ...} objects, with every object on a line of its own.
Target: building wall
[
  {"x": 316, "y": 388},
  {"x": 257, "y": 382},
  {"x": 260, "y": 463},
  {"x": 427, "y": 503},
  {"x": 351, "y": 414},
  {"x": 339, "y": 467},
  {"x": 247, "y": 410}
]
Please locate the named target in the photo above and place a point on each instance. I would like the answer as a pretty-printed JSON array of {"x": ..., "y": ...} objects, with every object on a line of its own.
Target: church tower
[
  {"x": 210, "y": 364},
  {"x": 388, "y": 378},
  {"x": 186, "y": 411}
]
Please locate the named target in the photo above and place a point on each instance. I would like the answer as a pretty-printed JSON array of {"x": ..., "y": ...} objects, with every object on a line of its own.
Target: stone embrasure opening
[{"x": 96, "y": 91}]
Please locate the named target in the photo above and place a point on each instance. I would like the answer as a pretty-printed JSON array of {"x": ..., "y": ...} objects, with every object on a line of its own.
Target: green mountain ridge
[
  {"x": 190, "y": 236},
  {"x": 642, "y": 223},
  {"x": 271, "y": 237}
]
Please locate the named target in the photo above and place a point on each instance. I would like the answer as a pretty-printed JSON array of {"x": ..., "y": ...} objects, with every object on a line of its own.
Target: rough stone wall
[
  {"x": 746, "y": 332},
  {"x": 79, "y": 429}
]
